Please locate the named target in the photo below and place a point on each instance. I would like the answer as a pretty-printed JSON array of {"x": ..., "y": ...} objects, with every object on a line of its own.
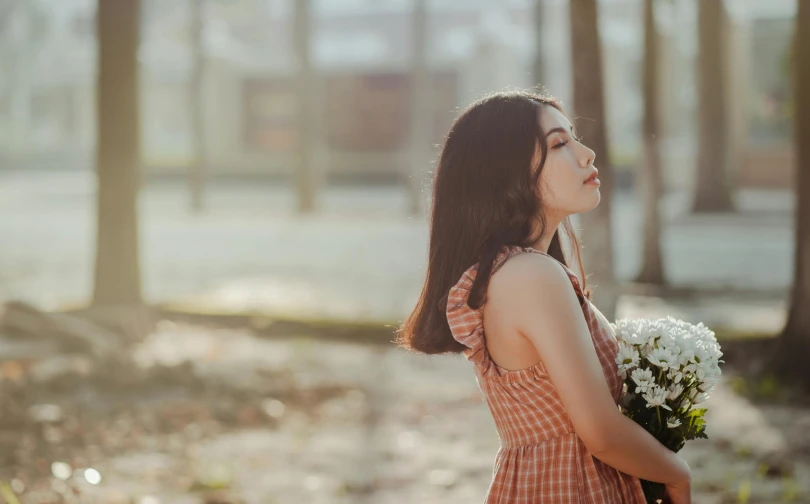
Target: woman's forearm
[{"x": 634, "y": 451}]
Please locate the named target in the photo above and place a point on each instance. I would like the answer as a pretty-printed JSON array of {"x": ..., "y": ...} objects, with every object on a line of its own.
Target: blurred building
[{"x": 362, "y": 53}]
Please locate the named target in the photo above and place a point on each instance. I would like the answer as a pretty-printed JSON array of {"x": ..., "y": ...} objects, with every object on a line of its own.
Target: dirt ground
[{"x": 212, "y": 415}]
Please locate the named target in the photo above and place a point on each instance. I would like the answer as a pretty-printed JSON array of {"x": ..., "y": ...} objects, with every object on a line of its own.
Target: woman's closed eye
[{"x": 563, "y": 143}]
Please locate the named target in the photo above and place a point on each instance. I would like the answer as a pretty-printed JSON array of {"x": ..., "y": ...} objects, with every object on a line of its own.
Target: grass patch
[
  {"x": 729, "y": 334},
  {"x": 276, "y": 325}
]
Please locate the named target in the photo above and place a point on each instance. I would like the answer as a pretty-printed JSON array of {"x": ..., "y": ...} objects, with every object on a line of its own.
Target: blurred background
[{"x": 215, "y": 215}]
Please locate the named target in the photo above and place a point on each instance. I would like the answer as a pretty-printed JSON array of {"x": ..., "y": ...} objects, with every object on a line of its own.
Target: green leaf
[{"x": 697, "y": 412}]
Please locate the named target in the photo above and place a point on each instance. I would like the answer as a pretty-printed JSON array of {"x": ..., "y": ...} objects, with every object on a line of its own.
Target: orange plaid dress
[{"x": 541, "y": 459}]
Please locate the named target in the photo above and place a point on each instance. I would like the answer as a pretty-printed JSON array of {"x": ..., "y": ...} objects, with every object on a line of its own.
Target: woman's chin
[{"x": 596, "y": 199}]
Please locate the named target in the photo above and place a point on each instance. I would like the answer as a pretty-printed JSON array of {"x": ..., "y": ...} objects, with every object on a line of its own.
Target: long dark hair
[{"x": 485, "y": 197}]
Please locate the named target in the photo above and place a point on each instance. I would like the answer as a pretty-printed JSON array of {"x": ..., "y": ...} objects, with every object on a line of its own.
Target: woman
[{"x": 498, "y": 289}]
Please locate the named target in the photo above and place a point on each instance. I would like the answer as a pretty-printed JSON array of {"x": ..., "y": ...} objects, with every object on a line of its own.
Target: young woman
[{"x": 511, "y": 172}]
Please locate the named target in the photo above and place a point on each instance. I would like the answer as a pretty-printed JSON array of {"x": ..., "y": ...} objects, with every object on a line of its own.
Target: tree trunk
[
  {"x": 652, "y": 270},
  {"x": 421, "y": 111},
  {"x": 306, "y": 173},
  {"x": 22, "y": 55},
  {"x": 589, "y": 104},
  {"x": 538, "y": 43},
  {"x": 791, "y": 360},
  {"x": 713, "y": 186},
  {"x": 197, "y": 167},
  {"x": 117, "y": 272}
]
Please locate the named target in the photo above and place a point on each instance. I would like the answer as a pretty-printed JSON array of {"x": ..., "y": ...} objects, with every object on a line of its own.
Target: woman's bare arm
[{"x": 535, "y": 295}]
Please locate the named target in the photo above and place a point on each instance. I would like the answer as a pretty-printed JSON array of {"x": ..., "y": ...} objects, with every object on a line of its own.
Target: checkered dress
[{"x": 541, "y": 459}]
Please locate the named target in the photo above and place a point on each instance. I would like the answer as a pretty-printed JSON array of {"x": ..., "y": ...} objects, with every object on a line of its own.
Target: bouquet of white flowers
[{"x": 669, "y": 367}]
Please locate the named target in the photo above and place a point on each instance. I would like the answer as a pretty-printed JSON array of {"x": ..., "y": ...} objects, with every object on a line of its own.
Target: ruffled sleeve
[{"x": 467, "y": 324}]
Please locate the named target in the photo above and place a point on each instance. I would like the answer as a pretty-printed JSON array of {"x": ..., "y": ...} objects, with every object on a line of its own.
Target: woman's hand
[{"x": 681, "y": 492}]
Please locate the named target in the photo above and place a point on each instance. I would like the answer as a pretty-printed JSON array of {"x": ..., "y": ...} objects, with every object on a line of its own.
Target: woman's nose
[{"x": 587, "y": 157}]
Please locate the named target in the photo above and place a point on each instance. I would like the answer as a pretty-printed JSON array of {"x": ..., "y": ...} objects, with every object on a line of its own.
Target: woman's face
[{"x": 569, "y": 164}]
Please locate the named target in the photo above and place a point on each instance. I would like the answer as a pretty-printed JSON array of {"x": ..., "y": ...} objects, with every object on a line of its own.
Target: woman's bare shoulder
[{"x": 524, "y": 273}]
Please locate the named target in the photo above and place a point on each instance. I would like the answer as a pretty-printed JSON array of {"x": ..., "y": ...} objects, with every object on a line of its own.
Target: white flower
[
  {"x": 673, "y": 422},
  {"x": 687, "y": 355},
  {"x": 700, "y": 398},
  {"x": 710, "y": 379},
  {"x": 635, "y": 338},
  {"x": 675, "y": 375},
  {"x": 650, "y": 334},
  {"x": 656, "y": 397},
  {"x": 643, "y": 379},
  {"x": 711, "y": 372},
  {"x": 674, "y": 391},
  {"x": 662, "y": 358},
  {"x": 637, "y": 332},
  {"x": 703, "y": 354},
  {"x": 627, "y": 358}
]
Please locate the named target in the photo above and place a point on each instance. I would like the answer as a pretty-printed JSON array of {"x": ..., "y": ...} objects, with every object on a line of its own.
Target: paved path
[{"x": 397, "y": 428}]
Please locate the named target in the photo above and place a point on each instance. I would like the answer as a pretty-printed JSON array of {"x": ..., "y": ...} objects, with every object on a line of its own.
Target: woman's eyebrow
[{"x": 560, "y": 129}]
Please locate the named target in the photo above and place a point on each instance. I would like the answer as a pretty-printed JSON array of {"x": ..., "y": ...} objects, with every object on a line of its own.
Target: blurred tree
[
  {"x": 6, "y": 11},
  {"x": 117, "y": 271},
  {"x": 791, "y": 360},
  {"x": 713, "y": 192},
  {"x": 785, "y": 108},
  {"x": 198, "y": 165},
  {"x": 538, "y": 42},
  {"x": 589, "y": 109},
  {"x": 421, "y": 111},
  {"x": 24, "y": 30},
  {"x": 652, "y": 265},
  {"x": 306, "y": 175}
]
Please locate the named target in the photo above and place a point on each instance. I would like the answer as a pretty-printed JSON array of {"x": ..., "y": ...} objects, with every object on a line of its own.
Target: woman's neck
[{"x": 544, "y": 242}]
